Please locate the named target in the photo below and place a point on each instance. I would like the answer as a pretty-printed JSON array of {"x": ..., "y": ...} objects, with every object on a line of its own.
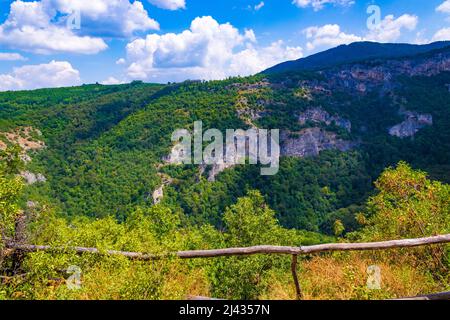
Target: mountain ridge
[{"x": 345, "y": 54}]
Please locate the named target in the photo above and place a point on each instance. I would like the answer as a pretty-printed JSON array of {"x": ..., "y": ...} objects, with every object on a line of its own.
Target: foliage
[
  {"x": 105, "y": 146},
  {"x": 409, "y": 205},
  {"x": 155, "y": 230},
  {"x": 10, "y": 161},
  {"x": 10, "y": 192}
]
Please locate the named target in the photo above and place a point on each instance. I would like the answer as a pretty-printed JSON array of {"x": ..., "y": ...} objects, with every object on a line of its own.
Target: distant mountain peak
[{"x": 355, "y": 52}]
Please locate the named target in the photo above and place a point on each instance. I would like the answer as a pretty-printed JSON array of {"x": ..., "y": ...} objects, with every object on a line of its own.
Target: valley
[{"x": 97, "y": 166}]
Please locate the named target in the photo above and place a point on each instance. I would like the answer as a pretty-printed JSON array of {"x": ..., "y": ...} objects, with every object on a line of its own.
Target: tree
[
  {"x": 10, "y": 161},
  {"x": 10, "y": 191},
  {"x": 249, "y": 222},
  {"x": 338, "y": 228},
  {"x": 409, "y": 205}
]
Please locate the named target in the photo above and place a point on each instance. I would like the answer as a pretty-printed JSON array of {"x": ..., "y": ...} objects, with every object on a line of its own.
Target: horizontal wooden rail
[
  {"x": 12, "y": 247},
  {"x": 435, "y": 296},
  {"x": 407, "y": 243}
]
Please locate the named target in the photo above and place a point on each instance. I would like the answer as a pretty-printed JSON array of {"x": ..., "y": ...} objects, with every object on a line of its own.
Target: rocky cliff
[
  {"x": 413, "y": 123},
  {"x": 310, "y": 142},
  {"x": 318, "y": 115},
  {"x": 362, "y": 78}
]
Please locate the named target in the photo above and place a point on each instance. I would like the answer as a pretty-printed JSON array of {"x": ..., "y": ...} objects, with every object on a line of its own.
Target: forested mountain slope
[{"x": 341, "y": 126}]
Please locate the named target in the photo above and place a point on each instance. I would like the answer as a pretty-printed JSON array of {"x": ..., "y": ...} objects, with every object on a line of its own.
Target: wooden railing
[{"x": 12, "y": 247}]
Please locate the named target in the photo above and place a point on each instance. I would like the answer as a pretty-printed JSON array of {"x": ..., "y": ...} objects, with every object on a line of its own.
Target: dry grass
[
  {"x": 339, "y": 276},
  {"x": 344, "y": 277},
  {"x": 182, "y": 282}
]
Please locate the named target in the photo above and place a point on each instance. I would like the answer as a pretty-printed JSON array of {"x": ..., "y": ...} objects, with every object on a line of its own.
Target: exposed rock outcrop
[
  {"x": 310, "y": 142},
  {"x": 158, "y": 195},
  {"x": 251, "y": 102},
  {"x": 318, "y": 115},
  {"x": 414, "y": 123},
  {"x": 218, "y": 169},
  {"x": 24, "y": 138},
  {"x": 247, "y": 113},
  {"x": 264, "y": 83},
  {"x": 176, "y": 157},
  {"x": 32, "y": 178},
  {"x": 362, "y": 78}
]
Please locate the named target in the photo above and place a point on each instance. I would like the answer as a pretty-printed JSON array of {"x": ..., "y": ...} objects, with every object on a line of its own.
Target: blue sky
[{"x": 116, "y": 41}]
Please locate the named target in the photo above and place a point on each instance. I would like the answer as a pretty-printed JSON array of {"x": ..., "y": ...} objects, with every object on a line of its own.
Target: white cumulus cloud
[
  {"x": 40, "y": 26},
  {"x": 329, "y": 35},
  {"x": 169, "y": 4},
  {"x": 107, "y": 17},
  {"x": 50, "y": 40},
  {"x": 120, "y": 61},
  {"x": 390, "y": 28},
  {"x": 28, "y": 27},
  {"x": 442, "y": 35},
  {"x": 208, "y": 50},
  {"x": 319, "y": 4},
  {"x": 111, "y": 81},
  {"x": 53, "y": 74},
  {"x": 444, "y": 7},
  {"x": 6, "y": 56}
]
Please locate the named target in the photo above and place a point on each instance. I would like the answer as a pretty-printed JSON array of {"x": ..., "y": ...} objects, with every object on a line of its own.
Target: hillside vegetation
[{"x": 79, "y": 166}]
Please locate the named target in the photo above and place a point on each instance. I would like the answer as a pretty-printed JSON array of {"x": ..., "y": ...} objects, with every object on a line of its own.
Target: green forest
[{"x": 101, "y": 150}]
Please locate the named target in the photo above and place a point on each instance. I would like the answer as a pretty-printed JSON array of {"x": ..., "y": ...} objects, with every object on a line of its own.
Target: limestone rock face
[
  {"x": 414, "y": 123},
  {"x": 176, "y": 156},
  {"x": 218, "y": 169},
  {"x": 251, "y": 86},
  {"x": 32, "y": 178},
  {"x": 158, "y": 195},
  {"x": 318, "y": 115},
  {"x": 310, "y": 142},
  {"x": 363, "y": 78}
]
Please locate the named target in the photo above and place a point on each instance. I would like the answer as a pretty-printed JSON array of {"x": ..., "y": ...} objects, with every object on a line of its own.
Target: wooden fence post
[{"x": 298, "y": 288}]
